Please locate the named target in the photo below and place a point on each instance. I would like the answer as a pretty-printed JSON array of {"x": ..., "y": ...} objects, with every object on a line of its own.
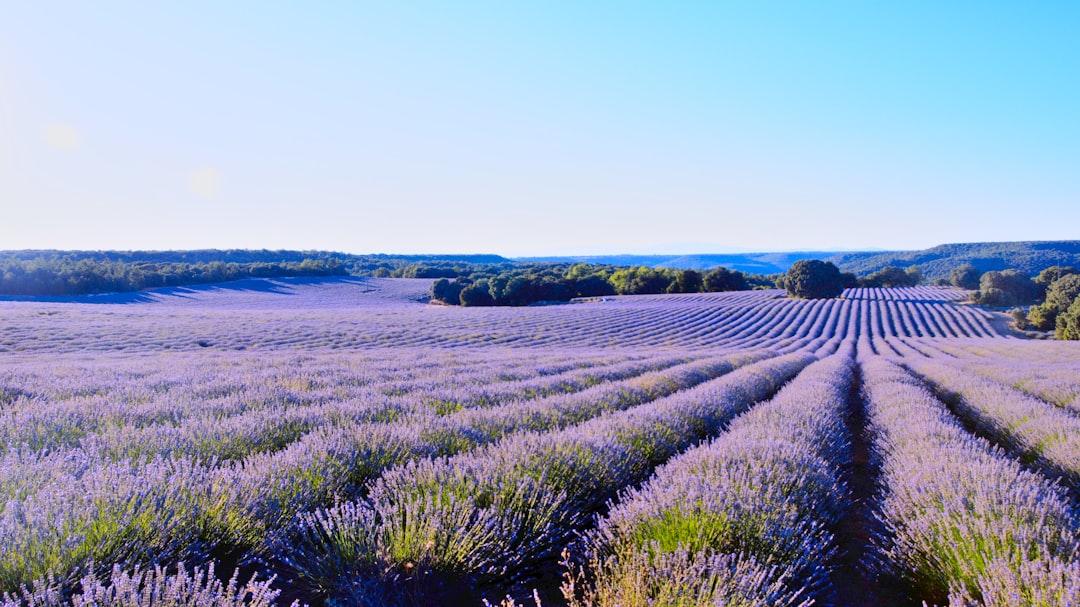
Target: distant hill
[
  {"x": 1028, "y": 257},
  {"x": 751, "y": 263}
]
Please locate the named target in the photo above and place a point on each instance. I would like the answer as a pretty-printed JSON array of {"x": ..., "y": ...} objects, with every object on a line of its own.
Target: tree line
[
  {"x": 548, "y": 282},
  {"x": 61, "y": 276},
  {"x": 65, "y": 273}
]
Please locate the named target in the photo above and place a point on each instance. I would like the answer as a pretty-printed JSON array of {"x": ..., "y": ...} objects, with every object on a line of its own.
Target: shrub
[{"x": 1020, "y": 318}]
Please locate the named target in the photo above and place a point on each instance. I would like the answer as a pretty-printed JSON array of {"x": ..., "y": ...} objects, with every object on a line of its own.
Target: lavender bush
[
  {"x": 742, "y": 520},
  {"x": 958, "y": 512}
]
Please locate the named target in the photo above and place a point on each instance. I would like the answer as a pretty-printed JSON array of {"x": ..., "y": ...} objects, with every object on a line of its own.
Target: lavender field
[{"x": 340, "y": 441}]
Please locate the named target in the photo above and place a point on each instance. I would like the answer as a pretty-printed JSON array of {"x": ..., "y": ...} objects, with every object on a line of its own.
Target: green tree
[
  {"x": 1041, "y": 317},
  {"x": 476, "y": 294},
  {"x": 723, "y": 279},
  {"x": 1006, "y": 289},
  {"x": 447, "y": 292},
  {"x": 592, "y": 286},
  {"x": 813, "y": 279},
  {"x": 1054, "y": 273},
  {"x": 1059, "y": 296},
  {"x": 1068, "y": 322},
  {"x": 965, "y": 276},
  {"x": 893, "y": 276},
  {"x": 640, "y": 280},
  {"x": 686, "y": 281},
  {"x": 1063, "y": 292}
]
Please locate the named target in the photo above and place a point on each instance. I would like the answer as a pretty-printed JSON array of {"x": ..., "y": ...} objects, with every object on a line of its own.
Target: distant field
[{"x": 367, "y": 448}]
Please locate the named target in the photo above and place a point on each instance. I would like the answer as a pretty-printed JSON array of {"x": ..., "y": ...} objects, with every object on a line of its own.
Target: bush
[
  {"x": 813, "y": 279},
  {"x": 1020, "y": 318}
]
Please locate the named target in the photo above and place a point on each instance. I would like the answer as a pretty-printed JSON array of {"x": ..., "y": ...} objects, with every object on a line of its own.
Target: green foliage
[
  {"x": 476, "y": 294},
  {"x": 1006, "y": 289},
  {"x": 813, "y": 279},
  {"x": 1053, "y": 274},
  {"x": 893, "y": 276},
  {"x": 592, "y": 286},
  {"x": 545, "y": 282},
  {"x": 965, "y": 276},
  {"x": 1041, "y": 318},
  {"x": 1068, "y": 322},
  {"x": 447, "y": 292},
  {"x": 1020, "y": 318},
  {"x": 722, "y": 279},
  {"x": 639, "y": 280},
  {"x": 67, "y": 275},
  {"x": 686, "y": 281},
  {"x": 1062, "y": 292}
]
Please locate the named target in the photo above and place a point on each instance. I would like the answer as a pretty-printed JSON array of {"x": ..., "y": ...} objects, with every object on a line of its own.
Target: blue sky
[{"x": 537, "y": 128}]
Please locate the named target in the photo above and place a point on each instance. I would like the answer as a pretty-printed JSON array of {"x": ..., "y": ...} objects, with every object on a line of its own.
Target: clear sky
[{"x": 527, "y": 128}]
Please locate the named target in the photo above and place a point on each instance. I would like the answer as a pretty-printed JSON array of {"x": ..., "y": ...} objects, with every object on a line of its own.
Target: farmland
[{"x": 341, "y": 441}]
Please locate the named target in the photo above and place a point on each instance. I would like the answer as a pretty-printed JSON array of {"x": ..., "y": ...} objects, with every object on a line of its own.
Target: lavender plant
[
  {"x": 957, "y": 511},
  {"x": 481, "y": 517},
  {"x": 743, "y": 520},
  {"x": 151, "y": 588}
]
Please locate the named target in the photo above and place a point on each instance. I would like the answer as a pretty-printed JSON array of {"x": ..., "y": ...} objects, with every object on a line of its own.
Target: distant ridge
[
  {"x": 751, "y": 263},
  {"x": 1029, "y": 257}
]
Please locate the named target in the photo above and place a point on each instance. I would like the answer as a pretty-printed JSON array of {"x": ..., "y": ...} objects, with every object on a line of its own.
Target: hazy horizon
[{"x": 537, "y": 130}]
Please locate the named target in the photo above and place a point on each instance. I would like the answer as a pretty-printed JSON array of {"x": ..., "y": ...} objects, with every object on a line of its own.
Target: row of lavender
[
  {"x": 70, "y": 509},
  {"x": 726, "y": 320},
  {"x": 232, "y": 407},
  {"x": 962, "y": 521},
  {"x": 750, "y": 518},
  {"x": 745, "y": 519},
  {"x": 460, "y": 525}
]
